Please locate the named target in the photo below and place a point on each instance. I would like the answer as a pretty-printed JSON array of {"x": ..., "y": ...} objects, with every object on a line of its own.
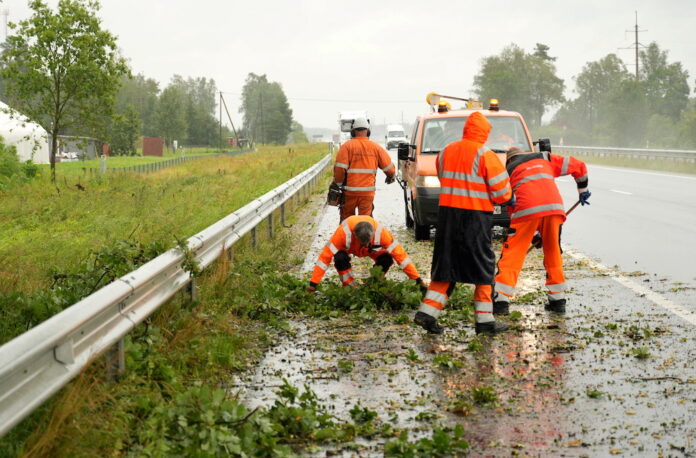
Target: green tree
[
  {"x": 666, "y": 84},
  {"x": 62, "y": 69},
  {"x": 628, "y": 118},
  {"x": 687, "y": 126},
  {"x": 523, "y": 82},
  {"x": 141, "y": 94},
  {"x": 267, "y": 113},
  {"x": 594, "y": 85},
  {"x": 298, "y": 135},
  {"x": 124, "y": 132},
  {"x": 171, "y": 114}
]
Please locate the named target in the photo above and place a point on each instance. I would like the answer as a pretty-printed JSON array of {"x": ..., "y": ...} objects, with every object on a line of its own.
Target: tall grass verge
[{"x": 46, "y": 229}]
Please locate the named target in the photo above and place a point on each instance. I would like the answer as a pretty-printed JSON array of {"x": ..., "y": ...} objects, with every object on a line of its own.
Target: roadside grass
[
  {"x": 46, "y": 229},
  {"x": 662, "y": 165}
]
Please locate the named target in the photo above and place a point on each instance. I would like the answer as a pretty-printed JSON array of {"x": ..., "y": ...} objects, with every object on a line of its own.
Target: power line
[{"x": 308, "y": 99}]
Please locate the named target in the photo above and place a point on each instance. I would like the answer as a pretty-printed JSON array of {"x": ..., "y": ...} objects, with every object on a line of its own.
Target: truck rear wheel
[
  {"x": 422, "y": 231},
  {"x": 409, "y": 220}
]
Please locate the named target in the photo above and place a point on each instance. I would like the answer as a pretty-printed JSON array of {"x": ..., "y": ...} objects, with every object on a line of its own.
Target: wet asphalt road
[
  {"x": 638, "y": 220},
  {"x": 615, "y": 376}
]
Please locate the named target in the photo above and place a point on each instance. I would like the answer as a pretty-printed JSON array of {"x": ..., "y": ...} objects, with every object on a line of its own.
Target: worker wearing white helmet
[{"x": 356, "y": 168}]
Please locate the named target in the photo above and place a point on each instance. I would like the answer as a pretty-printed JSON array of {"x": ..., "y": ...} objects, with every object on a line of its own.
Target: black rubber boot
[
  {"x": 427, "y": 322},
  {"x": 501, "y": 308},
  {"x": 557, "y": 306},
  {"x": 492, "y": 327}
]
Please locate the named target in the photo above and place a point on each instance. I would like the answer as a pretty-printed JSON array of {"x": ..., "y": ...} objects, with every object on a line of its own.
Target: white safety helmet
[{"x": 361, "y": 123}]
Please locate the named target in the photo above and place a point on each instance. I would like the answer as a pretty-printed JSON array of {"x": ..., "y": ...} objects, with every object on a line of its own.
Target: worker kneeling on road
[
  {"x": 356, "y": 167},
  {"x": 471, "y": 180},
  {"x": 538, "y": 206},
  {"x": 362, "y": 236}
]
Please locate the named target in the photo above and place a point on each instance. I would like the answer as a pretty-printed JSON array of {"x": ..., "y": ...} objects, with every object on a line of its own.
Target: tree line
[
  {"x": 610, "y": 106},
  {"x": 62, "y": 69}
]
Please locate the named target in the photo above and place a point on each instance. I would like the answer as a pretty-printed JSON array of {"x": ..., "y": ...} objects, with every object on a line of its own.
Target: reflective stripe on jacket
[
  {"x": 344, "y": 240},
  {"x": 532, "y": 176},
  {"x": 471, "y": 176},
  {"x": 357, "y": 163}
]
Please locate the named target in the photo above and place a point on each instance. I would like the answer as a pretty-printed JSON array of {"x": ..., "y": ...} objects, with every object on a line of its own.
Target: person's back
[
  {"x": 356, "y": 168},
  {"x": 532, "y": 177},
  {"x": 470, "y": 174}
]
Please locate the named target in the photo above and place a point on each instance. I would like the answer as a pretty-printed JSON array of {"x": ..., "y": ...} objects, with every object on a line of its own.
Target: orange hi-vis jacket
[
  {"x": 356, "y": 166},
  {"x": 471, "y": 176},
  {"x": 532, "y": 177},
  {"x": 344, "y": 239}
]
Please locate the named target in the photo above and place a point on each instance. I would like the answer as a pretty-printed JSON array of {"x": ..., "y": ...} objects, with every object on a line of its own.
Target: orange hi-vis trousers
[
  {"x": 363, "y": 204},
  {"x": 439, "y": 292},
  {"x": 515, "y": 250}
]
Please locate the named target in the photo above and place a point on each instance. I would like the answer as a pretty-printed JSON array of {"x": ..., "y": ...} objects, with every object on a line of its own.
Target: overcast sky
[{"x": 380, "y": 55}]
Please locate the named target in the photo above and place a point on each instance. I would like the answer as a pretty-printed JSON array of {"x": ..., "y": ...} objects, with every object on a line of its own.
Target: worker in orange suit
[
  {"x": 362, "y": 236},
  {"x": 538, "y": 207},
  {"x": 472, "y": 179},
  {"x": 356, "y": 169}
]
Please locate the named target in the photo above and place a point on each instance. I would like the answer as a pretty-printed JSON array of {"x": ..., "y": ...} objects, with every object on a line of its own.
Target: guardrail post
[
  {"x": 270, "y": 225},
  {"x": 192, "y": 290},
  {"x": 253, "y": 237},
  {"x": 282, "y": 214},
  {"x": 115, "y": 361}
]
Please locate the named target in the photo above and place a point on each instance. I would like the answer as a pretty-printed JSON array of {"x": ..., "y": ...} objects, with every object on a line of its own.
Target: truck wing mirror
[
  {"x": 544, "y": 144},
  {"x": 402, "y": 151}
]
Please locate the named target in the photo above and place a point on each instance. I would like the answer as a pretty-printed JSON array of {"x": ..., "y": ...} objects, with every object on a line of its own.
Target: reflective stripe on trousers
[{"x": 436, "y": 298}]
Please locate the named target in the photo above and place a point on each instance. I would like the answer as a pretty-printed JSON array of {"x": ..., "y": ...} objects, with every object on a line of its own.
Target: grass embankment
[
  {"x": 663, "y": 165},
  {"x": 57, "y": 239}
]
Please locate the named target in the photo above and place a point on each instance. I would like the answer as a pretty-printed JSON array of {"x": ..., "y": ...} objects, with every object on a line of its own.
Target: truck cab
[
  {"x": 395, "y": 135},
  {"x": 431, "y": 133},
  {"x": 345, "y": 123}
]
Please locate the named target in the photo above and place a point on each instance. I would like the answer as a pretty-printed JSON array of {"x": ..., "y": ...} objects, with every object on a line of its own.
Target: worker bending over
[
  {"x": 356, "y": 169},
  {"x": 538, "y": 207},
  {"x": 472, "y": 179},
  {"x": 361, "y": 236}
]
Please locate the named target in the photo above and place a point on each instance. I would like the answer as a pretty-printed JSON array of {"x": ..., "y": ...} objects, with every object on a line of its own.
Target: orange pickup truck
[{"x": 431, "y": 133}]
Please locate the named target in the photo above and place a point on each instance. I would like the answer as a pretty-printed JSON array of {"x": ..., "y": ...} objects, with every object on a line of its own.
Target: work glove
[
  {"x": 536, "y": 240},
  {"x": 421, "y": 284},
  {"x": 390, "y": 179},
  {"x": 584, "y": 198}
]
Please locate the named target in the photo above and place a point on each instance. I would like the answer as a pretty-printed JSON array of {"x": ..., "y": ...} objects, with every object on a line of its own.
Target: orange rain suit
[
  {"x": 539, "y": 207},
  {"x": 344, "y": 242},
  {"x": 356, "y": 169},
  {"x": 472, "y": 178}
]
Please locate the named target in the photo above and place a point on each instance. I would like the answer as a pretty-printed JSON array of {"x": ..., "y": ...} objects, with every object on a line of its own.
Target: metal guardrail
[
  {"x": 41, "y": 361},
  {"x": 155, "y": 166},
  {"x": 670, "y": 154}
]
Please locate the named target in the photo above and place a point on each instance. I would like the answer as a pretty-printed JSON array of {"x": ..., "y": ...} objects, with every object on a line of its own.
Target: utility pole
[
  {"x": 220, "y": 121},
  {"x": 636, "y": 45}
]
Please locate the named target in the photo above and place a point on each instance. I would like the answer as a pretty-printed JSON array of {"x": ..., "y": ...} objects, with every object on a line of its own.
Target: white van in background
[{"x": 395, "y": 135}]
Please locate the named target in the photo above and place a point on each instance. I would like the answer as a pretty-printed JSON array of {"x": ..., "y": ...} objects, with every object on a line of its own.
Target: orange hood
[{"x": 477, "y": 128}]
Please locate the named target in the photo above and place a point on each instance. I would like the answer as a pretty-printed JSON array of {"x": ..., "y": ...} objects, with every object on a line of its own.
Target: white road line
[
  {"x": 621, "y": 192},
  {"x": 622, "y": 169},
  {"x": 637, "y": 288}
]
